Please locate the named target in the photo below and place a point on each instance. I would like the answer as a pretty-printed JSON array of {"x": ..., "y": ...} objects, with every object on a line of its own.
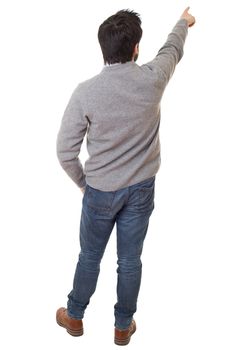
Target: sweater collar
[{"x": 117, "y": 66}]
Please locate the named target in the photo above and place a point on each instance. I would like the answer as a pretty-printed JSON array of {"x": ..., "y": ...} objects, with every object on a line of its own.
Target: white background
[{"x": 185, "y": 303}]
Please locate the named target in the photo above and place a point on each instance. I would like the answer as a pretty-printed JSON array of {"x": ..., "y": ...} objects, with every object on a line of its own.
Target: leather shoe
[
  {"x": 74, "y": 327},
  {"x": 122, "y": 337}
]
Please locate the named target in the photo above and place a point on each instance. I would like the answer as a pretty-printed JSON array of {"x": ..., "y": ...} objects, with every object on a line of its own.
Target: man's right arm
[{"x": 172, "y": 51}]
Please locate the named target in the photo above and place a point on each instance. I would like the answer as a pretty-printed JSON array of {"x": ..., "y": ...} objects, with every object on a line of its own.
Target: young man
[{"x": 119, "y": 109}]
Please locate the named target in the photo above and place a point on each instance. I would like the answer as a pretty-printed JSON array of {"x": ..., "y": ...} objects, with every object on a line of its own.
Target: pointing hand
[{"x": 189, "y": 18}]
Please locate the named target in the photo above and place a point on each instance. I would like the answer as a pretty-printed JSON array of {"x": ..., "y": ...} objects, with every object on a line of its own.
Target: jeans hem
[
  {"x": 73, "y": 316},
  {"x": 121, "y": 327}
]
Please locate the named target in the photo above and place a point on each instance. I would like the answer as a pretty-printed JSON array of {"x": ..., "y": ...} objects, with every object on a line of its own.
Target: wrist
[{"x": 184, "y": 21}]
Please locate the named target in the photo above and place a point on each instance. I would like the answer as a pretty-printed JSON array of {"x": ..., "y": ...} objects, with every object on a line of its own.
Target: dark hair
[{"x": 118, "y": 36}]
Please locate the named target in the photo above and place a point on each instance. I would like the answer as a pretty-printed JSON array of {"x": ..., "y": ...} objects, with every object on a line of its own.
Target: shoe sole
[
  {"x": 74, "y": 333},
  {"x": 122, "y": 342}
]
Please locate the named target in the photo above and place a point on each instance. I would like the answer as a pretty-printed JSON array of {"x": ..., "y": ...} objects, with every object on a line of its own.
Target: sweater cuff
[
  {"x": 183, "y": 21},
  {"x": 82, "y": 182}
]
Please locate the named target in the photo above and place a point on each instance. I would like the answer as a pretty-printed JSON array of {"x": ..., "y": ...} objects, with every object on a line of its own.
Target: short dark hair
[{"x": 118, "y": 36}]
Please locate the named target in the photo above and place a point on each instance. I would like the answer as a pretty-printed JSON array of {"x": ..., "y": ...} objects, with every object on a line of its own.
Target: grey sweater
[{"x": 119, "y": 109}]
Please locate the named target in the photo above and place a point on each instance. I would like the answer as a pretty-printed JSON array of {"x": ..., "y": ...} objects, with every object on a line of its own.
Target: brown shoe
[
  {"x": 123, "y": 337},
  {"x": 74, "y": 327}
]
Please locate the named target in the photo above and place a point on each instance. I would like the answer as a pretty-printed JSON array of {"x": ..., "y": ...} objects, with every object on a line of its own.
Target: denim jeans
[{"x": 130, "y": 208}]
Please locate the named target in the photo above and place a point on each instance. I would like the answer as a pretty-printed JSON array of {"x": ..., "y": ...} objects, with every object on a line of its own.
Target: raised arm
[{"x": 172, "y": 51}]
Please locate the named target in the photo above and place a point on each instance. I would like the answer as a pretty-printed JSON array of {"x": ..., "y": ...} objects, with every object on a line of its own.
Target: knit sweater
[{"x": 119, "y": 112}]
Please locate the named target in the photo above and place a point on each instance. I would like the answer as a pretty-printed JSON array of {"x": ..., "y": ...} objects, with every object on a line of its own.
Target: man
[{"x": 119, "y": 109}]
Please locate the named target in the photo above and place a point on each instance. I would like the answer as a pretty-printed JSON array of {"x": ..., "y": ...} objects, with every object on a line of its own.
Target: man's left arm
[{"x": 70, "y": 137}]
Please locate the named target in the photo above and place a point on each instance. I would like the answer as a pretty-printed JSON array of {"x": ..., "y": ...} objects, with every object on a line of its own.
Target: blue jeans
[{"x": 130, "y": 208}]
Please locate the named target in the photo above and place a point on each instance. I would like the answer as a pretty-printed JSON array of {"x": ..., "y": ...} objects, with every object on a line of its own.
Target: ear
[
  {"x": 135, "y": 52},
  {"x": 136, "y": 49}
]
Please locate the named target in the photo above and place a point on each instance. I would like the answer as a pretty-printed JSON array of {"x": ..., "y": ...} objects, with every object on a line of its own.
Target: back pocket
[
  {"x": 98, "y": 201},
  {"x": 146, "y": 195}
]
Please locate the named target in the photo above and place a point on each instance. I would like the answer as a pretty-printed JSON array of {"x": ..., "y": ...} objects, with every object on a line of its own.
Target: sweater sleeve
[
  {"x": 70, "y": 137},
  {"x": 171, "y": 52}
]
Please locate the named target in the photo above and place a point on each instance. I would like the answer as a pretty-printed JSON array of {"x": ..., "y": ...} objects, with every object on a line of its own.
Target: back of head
[{"x": 118, "y": 36}]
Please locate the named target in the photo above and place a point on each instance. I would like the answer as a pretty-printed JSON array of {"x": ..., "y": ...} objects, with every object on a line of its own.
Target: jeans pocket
[
  {"x": 146, "y": 195},
  {"x": 99, "y": 202}
]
